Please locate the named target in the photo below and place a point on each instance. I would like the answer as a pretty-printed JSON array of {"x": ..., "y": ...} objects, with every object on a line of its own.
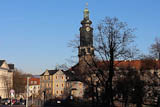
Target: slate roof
[
  {"x": 71, "y": 73},
  {"x": 11, "y": 66},
  {"x": 1, "y": 62},
  {"x": 36, "y": 76},
  {"x": 51, "y": 72}
]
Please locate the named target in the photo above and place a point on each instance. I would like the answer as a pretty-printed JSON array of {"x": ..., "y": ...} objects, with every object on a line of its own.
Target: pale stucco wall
[
  {"x": 59, "y": 83},
  {"x": 6, "y": 80}
]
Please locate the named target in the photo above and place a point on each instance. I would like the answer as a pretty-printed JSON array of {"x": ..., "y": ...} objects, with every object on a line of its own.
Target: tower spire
[
  {"x": 86, "y": 12},
  {"x": 86, "y": 4},
  {"x": 86, "y": 49}
]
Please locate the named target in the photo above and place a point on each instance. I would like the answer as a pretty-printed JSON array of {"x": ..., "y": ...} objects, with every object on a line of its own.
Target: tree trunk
[
  {"x": 93, "y": 100},
  {"x": 111, "y": 73},
  {"x": 97, "y": 97}
]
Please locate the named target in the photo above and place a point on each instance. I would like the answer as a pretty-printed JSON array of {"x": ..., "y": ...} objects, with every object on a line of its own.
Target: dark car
[
  {"x": 6, "y": 101},
  {"x": 23, "y": 102}
]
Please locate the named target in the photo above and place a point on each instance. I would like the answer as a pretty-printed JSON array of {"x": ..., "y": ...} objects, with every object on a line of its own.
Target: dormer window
[{"x": 67, "y": 78}]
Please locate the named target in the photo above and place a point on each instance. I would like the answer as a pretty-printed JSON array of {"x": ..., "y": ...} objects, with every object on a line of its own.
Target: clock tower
[{"x": 86, "y": 50}]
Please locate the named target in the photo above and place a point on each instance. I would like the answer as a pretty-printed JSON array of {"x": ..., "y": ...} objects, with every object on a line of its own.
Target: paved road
[
  {"x": 16, "y": 106},
  {"x": 12, "y": 106}
]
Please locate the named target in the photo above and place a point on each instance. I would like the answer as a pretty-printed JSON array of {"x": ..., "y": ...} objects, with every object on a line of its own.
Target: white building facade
[{"x": 6, "y": 79}]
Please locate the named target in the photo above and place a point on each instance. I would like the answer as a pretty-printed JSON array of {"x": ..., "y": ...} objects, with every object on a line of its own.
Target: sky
[{"x": 34, "y": 34}]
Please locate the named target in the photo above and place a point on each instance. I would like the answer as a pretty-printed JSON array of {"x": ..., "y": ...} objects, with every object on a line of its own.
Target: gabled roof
[
  {"x": 4, "y": 65},
  {"x": 1, "y": 62},
  {"x": 34, "y": 79},
  {"x": 51, "y": 72}
]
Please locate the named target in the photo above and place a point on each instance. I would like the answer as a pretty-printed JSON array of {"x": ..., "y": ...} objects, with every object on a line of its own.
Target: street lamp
[
  {"x": 44, "y": 93},
  {"x": 27, "y": 91}
]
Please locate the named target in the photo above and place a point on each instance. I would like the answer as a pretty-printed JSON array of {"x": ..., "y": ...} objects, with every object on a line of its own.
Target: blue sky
[{"x": 34, "y": 34}]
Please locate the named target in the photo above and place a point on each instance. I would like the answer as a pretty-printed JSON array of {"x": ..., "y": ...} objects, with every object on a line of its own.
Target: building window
[
  {"x": 73, "y": 92},
  {"x": 62, "y": 77},
  {"x": 80, "y": 92},
  {"x": 67, "y": 84},
  {"x": 57, "y": 85},
  {"x": 67, "y": 78},
  {"x": 57, "y": 92},
  {"x": 62, "y": 85},
  {"x": 80, "y": 85},
  {"x": 35, "y": 82},
  {"x": 61, "y": 92},
  {"x": 56, "y": 77},
  {"x": 50, "y": 77},
  {"x": 31, "y": 82}
]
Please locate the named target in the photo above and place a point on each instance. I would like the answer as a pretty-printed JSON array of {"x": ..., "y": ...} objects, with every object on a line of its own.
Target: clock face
[{"x": 87, "y": 29}]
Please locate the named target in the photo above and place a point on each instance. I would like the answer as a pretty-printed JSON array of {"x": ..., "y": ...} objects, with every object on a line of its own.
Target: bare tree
[
  {"x": 19, "y": 81},
  {"x": 62, "y": 66},
  {"x": 155, "y": 48},
  {"x": 149, "y": 73},
  {"x": 113, "y": 43}
]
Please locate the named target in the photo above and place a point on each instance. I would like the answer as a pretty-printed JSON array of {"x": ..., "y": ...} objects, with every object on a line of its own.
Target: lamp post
[
  {"x": 27, "y": 91},
  {"x": 44, "y": 92},
  {"x": 159, "y": 61}
]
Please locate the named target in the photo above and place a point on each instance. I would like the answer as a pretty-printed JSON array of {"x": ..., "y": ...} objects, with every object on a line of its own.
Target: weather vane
[{"x": 87, "y": 5}]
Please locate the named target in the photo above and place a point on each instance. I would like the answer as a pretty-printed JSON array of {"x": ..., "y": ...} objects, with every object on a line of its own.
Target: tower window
[
  {"x": 89, "y": 51},
  {"x": 83, "y": 51}
]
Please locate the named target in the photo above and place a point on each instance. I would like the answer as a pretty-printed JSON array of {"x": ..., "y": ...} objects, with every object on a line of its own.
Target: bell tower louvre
[{"x": 86, "y": 49}]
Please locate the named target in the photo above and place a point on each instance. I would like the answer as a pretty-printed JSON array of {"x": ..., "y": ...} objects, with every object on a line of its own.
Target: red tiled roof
[
  {"x": 137, "y": 64},
  {"x": 34, "y": 79},
  {"x": 133, "y": 63}
]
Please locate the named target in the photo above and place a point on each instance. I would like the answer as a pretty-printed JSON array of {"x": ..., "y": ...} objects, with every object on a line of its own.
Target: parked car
[
  {"x": 23, "y": 102},
  {"x": 14, "y": 101},
  {"x": 6, "y": 101}
]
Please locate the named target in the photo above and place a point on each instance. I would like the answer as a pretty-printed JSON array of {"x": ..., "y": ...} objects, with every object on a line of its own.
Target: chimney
[{"x": 11, "y": 66}]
